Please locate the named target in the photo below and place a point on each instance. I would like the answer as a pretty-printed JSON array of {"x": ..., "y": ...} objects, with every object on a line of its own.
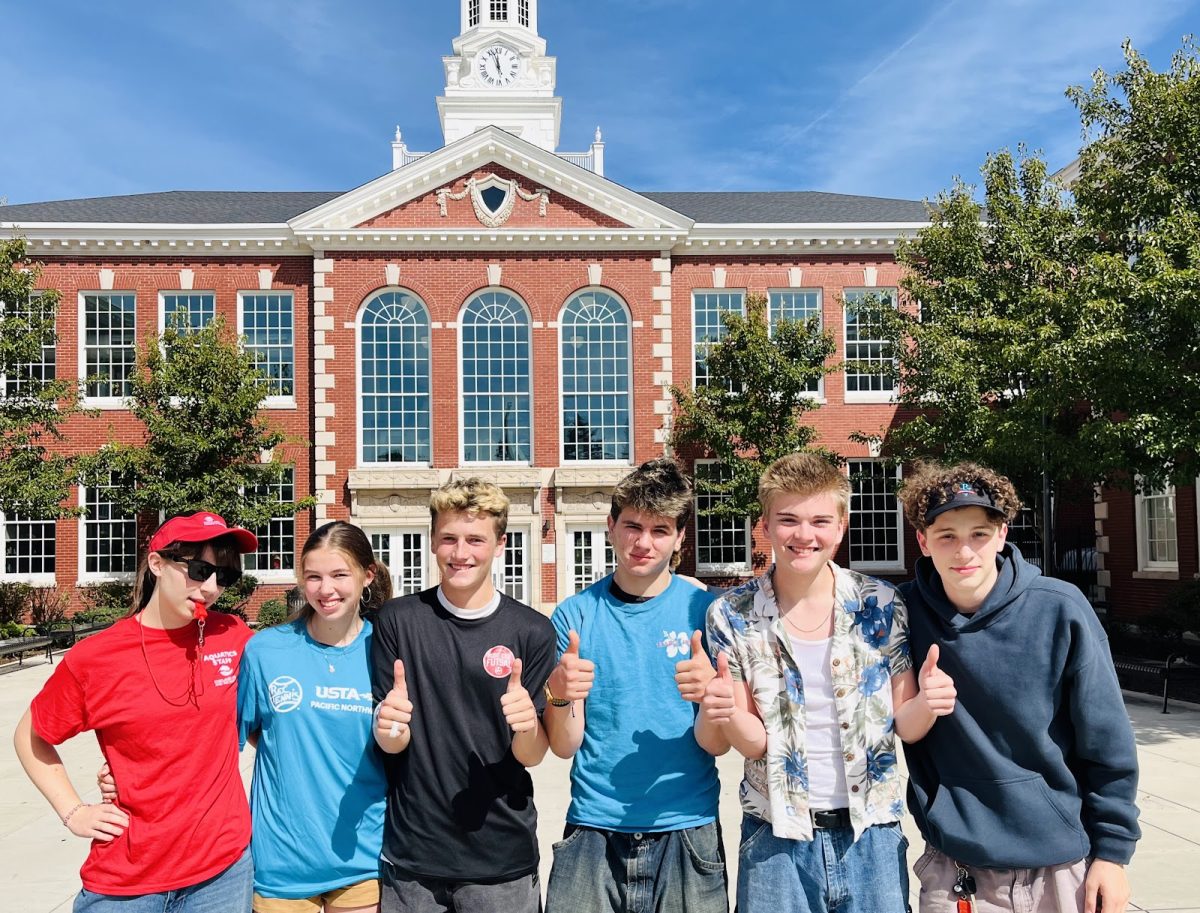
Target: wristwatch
[{"x": 552, "y": 700}]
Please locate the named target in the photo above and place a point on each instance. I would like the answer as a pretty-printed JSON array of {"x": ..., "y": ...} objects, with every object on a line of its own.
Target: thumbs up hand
[
  {"x": 717, "y": 704},
  {"x": 519, "y": 712},
  {"x": 572, "y": 678},
  {"x": 937, "y": 688},
  {"x": 693, "y": 674},
  {"x": 395, "y": 710}
]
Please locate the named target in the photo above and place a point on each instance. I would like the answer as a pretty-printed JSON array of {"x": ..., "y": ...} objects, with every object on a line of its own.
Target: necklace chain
[
  {"x": 821, "y": 624},
  {"x": 190, "y": 697}
]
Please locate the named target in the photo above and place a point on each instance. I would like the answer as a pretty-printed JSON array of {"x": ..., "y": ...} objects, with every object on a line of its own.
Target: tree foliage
[
  {"x": 198, "y": 395},
  {"x": 751, "y": 410},
  {"x": 1059, "y": 333},
  {"x": 35, "y": 479}
]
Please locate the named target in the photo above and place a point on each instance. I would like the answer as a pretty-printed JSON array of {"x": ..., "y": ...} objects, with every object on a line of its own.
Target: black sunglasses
[{"x": 200, "y": 570}]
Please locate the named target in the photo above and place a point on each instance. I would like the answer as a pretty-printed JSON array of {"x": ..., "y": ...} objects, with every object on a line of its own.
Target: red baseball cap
[{"x": 201, "y": 527}]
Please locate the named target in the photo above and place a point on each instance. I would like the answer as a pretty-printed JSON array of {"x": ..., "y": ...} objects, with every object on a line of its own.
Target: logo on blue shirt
[{"x": 286, "y": 694}]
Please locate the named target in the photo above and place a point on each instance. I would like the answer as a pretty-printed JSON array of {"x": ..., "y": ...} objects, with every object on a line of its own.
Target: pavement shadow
[{"x": 1153, "y": 727}]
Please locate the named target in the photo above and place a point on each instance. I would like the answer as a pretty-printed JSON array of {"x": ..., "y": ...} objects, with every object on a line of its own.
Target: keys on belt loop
[{"x": 964, "y": 889}]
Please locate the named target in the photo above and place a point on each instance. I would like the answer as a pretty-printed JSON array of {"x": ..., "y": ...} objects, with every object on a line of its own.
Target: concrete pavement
[{"x": 40, "y": 859}]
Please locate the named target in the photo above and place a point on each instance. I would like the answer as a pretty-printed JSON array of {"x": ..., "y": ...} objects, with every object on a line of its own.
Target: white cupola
[{"x": 499, "y": 75}]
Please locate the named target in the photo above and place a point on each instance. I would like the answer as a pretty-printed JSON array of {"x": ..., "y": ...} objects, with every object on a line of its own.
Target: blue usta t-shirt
[{"x": 639, "y": 767}]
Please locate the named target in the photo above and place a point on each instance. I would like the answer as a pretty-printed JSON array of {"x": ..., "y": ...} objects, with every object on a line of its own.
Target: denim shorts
[
  {"x": 598, "y": 871},
  {"x": 401, "y": 892},
  {"x": 833, "y": 871},
  {"x": 229, "y": 891}
]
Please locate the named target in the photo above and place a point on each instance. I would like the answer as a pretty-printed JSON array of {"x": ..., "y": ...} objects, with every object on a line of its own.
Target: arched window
[
  {"x": 495, "y": 379},
  {"x": 394, "y": 372},
  {"x": 595, "y": 378}
]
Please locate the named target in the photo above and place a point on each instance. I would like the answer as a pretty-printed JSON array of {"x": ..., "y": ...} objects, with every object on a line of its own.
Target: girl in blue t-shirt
[{"x": 304, "y": 699}]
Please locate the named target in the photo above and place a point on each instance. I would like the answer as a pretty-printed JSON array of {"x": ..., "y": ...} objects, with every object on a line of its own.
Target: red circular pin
[{"x": 498, "y": 662}]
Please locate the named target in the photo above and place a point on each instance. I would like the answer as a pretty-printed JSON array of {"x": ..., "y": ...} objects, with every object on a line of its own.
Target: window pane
[
  {"x": 708, "y": 327},
  {"x": 864, "y": 342},
  {"x": 800, "y": 306},
  {"x": 874, "y": 532},
  {"x": 395, "y": 380},
  {"x": 722, "y": 543},
  {"x": 110, "y": 537},
  {"x": 496, "y": 381},
  {"x": 277, "y": 538},
  {"x": 595, "y": 378},
  {"x": 109, "y": 343},
  {"x": 267, "y": 327}
]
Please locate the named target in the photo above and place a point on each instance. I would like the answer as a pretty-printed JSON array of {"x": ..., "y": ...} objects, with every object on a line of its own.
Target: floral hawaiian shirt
[{"x": 870, "y": 645}]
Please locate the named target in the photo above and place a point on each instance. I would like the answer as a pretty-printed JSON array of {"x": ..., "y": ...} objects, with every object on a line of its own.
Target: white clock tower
[{"x": 500, "y": 75}]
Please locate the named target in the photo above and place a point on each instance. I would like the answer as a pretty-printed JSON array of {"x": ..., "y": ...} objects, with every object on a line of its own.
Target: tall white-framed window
[
  {"x": 595, "y": 379},
  {"x": 186, "y": 312},
  {"x": 864, "y": 343},
  {"x": 109, "y": 546},
  {"x": 800, "y": 305},
  {"x": 404, "y": 552},
  {"x": 511, "y": 573},
  {"x": 394, "y": 380},
  {"x": 496, "y": 402},
  {"x": 498, "y": 10},
  {"x": 1157, "y": 534},
  {"x": 523, "y": 13},
  {"x": 707, "y": 326},
  {"x": 472, "y": 13},
  {"x": 266, "y": 322},
  {"x": 1025, "y": 532},
  {"x": 876, "y": 533},
  {"x": 108, "y": 339},
  {"x": 28, "y": 377},
  {"x": 29, "y": 548},
  {"x": 723, "y": 544},
  {"x": 275, "y": 557},
  {"x": 591, "y": 555}
]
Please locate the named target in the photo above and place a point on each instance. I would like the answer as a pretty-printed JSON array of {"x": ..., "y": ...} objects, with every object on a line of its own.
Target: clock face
[{"x": 498, "y": 65}]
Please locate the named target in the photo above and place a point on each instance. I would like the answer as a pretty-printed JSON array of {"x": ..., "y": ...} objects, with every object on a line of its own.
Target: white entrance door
[
  {"x": 591, "y": 555},
  {"x": 404, "y": 552},
  {"x": 510, "y": 574}
]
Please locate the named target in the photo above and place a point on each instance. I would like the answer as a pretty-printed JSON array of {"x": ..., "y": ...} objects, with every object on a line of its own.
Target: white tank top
[{"x": 826, "y": 769}]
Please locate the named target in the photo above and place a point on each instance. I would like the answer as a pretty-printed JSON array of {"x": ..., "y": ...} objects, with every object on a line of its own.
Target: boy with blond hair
[
  {"x": 812, "y": 668},
  {"x": 1025, "y": 793},
  {"x": 458, "y": 673}
]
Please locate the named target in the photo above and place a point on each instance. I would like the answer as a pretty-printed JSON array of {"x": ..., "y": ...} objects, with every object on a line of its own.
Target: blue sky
[{"x": 883, "y": 98}]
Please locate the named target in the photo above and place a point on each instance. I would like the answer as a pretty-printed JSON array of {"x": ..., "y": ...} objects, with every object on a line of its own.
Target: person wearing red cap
[{"x": 159, "y": 689}]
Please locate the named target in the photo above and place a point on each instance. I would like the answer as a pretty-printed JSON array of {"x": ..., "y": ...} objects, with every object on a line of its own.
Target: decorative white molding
[
  {"x": 391, "y": 273},
  {"x": 494, "y": 273},
  {"x": 187, "y": 279},
  {"x": 870, "y": 276},
  {"x": 474, "y": 188},
  {"x": 264, "y": 279},
  {"x": 718, "y": 277},
  {"x": 595, "y": 273},
  {"x": 795, "y": 277},
  {"x": 106, "y": 280}
]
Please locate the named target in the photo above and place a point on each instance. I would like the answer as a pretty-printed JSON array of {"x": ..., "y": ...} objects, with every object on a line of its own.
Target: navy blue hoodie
[{"x": 1037, "y": 765}]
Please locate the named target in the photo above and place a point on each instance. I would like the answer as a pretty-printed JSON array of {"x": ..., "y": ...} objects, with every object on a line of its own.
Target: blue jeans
[
  {"x": 598, "y": 871},
  {"x": 831, "y": 872},
  {"x": 404, "y": 893},
  {"x": 231, "y": 891}
]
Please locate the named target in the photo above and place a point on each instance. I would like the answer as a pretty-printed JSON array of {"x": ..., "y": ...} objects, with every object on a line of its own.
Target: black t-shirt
[{"x": 460, "y": 806}]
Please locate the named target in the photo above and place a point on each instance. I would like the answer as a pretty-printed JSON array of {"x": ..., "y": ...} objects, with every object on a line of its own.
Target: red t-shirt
[{"x": 174, "y": 755}]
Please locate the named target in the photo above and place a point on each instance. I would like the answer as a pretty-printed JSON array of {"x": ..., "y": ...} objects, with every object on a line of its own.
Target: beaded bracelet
[{"x": 67, "y": 816}]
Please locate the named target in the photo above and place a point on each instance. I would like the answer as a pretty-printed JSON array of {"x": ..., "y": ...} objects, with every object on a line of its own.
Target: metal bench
[
  {"x": 19, "y": 646},
  {"x": 1162, "y": 669}
]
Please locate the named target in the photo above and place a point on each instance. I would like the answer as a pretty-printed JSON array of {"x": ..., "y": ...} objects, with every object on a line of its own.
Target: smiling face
[
  {"x": 465, "y": 544},
  {"x": 174, "y": 590},
  {"x": 804, "y": 531},
  {"x": 643, "y": 545},
  {"x": 333, "y": 583},
  {"x": 963, "y": 544}
]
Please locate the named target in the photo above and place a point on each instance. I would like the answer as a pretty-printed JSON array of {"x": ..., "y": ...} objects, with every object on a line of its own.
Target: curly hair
[
  {"x": 471, "y": 496},
  {"x": 657, "y": 487},
  {"x": 930, "y": 480}
]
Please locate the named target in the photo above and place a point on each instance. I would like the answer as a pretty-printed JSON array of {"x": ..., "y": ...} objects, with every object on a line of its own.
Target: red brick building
[{"x": 494, "y": 307}]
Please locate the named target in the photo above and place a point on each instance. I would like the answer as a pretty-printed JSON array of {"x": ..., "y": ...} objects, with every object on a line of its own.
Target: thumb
[
  {"x": 931, "y": 660},
  {"x": 398, "y": 675},
  {"x": 514, "y": 677},
  {"x": 697, "y": 644},
  {"x": 572, "y": 643},
  {"x": 723, "y": 667}
]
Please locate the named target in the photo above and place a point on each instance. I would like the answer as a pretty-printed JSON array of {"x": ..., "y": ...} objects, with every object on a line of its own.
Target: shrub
[
  {"x": 272, "y": 612},
  {"x": 10, "y": 629},
  {"x": 233, "y": 600},
  {"x": 1180, "y": 611},
  {"x": 47, "y": 608},
  {"x": 14, "y": 600},
  {"x": 113, "y": 598}
]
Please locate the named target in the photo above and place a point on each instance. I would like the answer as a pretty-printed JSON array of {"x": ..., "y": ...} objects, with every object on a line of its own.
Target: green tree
[
  {"x": 751, "y": 410},
  {"x": 197, "y": 393},
  {"x": 1138, "y": 195},
  {"x": 35, "y": 479}
]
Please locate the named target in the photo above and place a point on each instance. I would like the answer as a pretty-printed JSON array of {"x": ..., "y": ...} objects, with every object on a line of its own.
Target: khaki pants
[{"x": 1054, "y": 889}]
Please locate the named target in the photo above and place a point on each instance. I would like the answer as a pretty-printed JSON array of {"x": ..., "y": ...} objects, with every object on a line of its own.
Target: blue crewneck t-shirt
[
  {"x": 319, "y": 790},
  {"x": 639, "y": 767}
]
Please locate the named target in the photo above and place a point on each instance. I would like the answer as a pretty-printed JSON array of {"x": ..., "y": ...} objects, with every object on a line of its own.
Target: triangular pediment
[{"x": 548, "y": 195}]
